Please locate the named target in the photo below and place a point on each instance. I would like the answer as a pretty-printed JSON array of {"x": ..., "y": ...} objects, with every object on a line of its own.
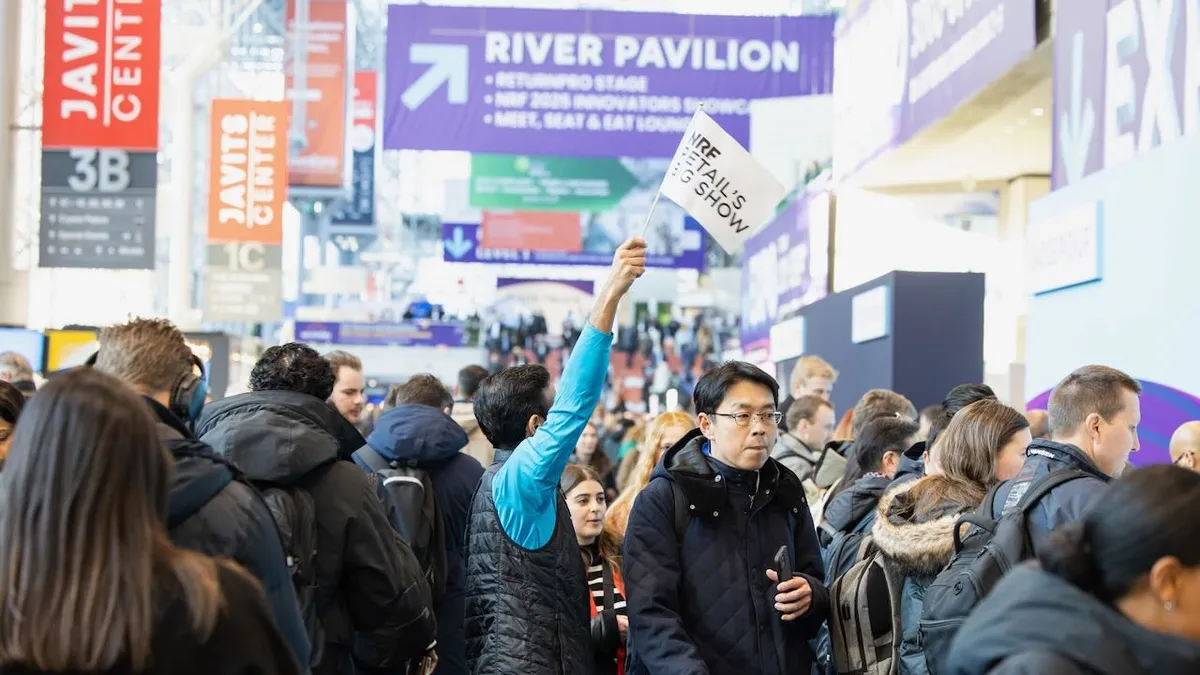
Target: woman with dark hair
[
  {"x": 914, "y": 524},
  {"x": 11, "y": 402},
  {"x": 601, "y": 550},
  {"x": 89, "y": 580},
  {"x": 1119, "y": 593}
]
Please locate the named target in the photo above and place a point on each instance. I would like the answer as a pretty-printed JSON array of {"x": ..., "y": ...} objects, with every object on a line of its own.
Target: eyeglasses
[{"x": 772, "y": 418}]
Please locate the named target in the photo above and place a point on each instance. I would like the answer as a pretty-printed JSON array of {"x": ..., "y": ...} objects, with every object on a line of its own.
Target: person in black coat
[
  {"x": 1119, "y": 593},
  {"x": 373, "y": 601},
  {"x": 90, "y": 581},
  {"x": 418, "y": 431},
  {"x": 709, "y": 599},
  {"x": 210, "y": 511}
]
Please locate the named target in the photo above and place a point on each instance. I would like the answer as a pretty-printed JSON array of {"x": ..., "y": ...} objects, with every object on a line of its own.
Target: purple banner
[
  {"x": 1126, "y": 81},
  {"x": 780, "y": 273},
  {"x": 582, "y": 285},
  {"x": 460, "y": 243},
  {"x": 901, "y": 65},
  {"x": 587, "y": 83},
  {"x": 415, "y": 334}
]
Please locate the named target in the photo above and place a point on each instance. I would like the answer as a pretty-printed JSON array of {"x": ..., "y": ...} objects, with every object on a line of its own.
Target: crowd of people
[{"x": 513, "y": 524}]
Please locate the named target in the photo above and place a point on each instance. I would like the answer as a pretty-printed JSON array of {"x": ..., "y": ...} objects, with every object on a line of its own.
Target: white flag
[{"x": 716, "y": 181}]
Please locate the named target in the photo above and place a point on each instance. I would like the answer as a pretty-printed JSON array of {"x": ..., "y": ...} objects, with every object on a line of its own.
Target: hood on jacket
[
  {"x": 418, "y": 434},
  {"x": 854, "y": 503},
  {"x": 687, "y": 463},
  {"x": 1034, "y": 611},
  {"x": 273, "y": 436},
  {"x": 199, "y": 474},
  {"x": 912, "y": 463},
  {"x": 463, "y": 413},
  {"x": 917, "y": 546}
]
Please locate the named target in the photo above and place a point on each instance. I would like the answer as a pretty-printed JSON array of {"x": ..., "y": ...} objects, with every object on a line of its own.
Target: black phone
[{"x": 783, "y": 564}]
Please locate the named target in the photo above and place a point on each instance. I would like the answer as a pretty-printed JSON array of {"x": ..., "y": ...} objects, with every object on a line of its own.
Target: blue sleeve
[
  {"x": 524, "y": 488},
  {"x": 658, "y": 640}
]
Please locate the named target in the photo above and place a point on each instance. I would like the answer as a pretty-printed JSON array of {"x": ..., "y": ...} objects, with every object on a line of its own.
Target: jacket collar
[
  {"x": 168, "y": 418},
  {"x": 703, "y": 478},
  {"x": 1065, "y": 453},
  {"x": 916, "y": 547}
]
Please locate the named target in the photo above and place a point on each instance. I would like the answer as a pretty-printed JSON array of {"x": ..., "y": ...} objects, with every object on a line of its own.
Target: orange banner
[
  {"x": 248, "y": 171},
  {"x": 321, "y": 117},
  {"x": 558, "y": 231}
]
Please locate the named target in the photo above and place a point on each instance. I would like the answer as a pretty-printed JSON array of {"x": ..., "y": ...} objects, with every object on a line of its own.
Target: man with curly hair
[{"x": 369, "y": 598}]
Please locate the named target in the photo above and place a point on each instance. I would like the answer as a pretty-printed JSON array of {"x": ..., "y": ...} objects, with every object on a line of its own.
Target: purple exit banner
[
  {"x": 1126, "y": 81},
  {"x": 587, "y": 83}
]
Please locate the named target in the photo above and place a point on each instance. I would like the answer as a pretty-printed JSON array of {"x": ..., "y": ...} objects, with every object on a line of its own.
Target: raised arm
[{"x": 525, "y": 487}]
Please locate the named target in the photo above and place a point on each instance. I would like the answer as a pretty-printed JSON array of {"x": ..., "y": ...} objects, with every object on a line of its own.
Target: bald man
[
  {"x": 1039, "y": 423},
  {"x": 1185, "y": 445}
]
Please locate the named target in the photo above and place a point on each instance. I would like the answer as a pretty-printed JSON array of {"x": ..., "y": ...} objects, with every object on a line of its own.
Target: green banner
[{"x": 524, "y": 183}]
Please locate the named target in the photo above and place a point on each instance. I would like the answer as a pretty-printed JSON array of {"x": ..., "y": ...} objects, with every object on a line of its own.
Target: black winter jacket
[
  {"x": 1034, "y": 622},
  {"x": 851, "y": 507},
  {"x": 704, "y": 604},
  {"x": 372, "y": 598},
  {"x": 212, "y": 513},
  {"x": 431, "y": 440},
  {"x": 1067, "y": 503}
]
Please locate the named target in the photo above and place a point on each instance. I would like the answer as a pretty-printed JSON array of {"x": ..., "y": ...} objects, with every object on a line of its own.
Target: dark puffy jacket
[
  {"x": 912, "y": 464},
  {"x": 1034, "y": 622},
  {"x": 704, "y": 604},
  {"x": 431, "y": 440},
  {"x": 527, "y": 610},
  {"x": 1067, "y": 503},
  {"x": 916, "y": 548},
  {"x": 372, "y": 598},
  {"x": 851, "y": 507},
  {"x": 214, "y": 514}
]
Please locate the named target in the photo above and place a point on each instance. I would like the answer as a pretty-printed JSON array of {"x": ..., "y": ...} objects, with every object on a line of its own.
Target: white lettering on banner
[
  {"x": 715, "y": 180},
  {"x": 1120, "y": 104},
  {"x": 1064, "y": 250},
  {"x": 957, "y": 55},
  {"x": 663, "y": 53},
  {"x": 116, "y": 62},
  {"x": 929, "y": 19},
  {"x": 1158, "y": 107},
  {"x": 247, "y": 175}
]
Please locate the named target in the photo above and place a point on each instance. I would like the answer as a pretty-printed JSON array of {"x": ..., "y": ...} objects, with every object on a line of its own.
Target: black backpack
[
  {"x": 991, "y": 549},
  {"x": 410, "y": 504},
  {"x": 295, "y": 515}
]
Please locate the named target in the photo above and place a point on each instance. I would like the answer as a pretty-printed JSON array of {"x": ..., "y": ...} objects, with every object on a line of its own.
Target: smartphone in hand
[{"x": 783, "y": 564}]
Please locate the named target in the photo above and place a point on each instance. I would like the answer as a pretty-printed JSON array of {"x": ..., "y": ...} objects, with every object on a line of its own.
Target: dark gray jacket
[
  {"x": 1034, "y": 622},
  {"x": 1067, "y": 503}
]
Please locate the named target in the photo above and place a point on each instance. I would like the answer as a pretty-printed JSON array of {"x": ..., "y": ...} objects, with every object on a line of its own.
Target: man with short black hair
[
  {"x": 348, "y": 385},
  {"x": 527, "y": 593},
  {"x": 371, "y": 601},
  {"x": 469, "y": 379},
  {"x": 912, "y": 462},
  {"x": 810, "y": 426},
  {"x": 209, "y": 511},
  {"x": 704, "y": 589},
  {"x": 417, "y": 431},
  {"x": 1093, "y": 416}
]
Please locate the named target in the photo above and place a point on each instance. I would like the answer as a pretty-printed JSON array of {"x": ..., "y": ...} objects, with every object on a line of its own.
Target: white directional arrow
[
  {"x": 1076, "y": 126},
  {"x": 447, "y": 65}
]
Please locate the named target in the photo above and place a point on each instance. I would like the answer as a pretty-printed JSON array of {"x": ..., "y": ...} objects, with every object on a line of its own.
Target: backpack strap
[
  {"x": 683, "y": 511},
  {"x": 981, "y": 517},
  {"x": 1041, "y": 487},
  {"x": 372, "y": 459}
]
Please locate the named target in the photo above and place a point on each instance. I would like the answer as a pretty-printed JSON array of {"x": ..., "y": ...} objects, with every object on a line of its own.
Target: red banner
[
  {"x": 321, "y": 119},
  {"x": 248, "y": 165},
  {"x": 101, "y": 74}
]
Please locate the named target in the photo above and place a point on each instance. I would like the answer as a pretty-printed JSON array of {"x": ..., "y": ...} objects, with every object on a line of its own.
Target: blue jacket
[
  {"x": 704, "y": 605},
  {"x": 1067, "y": 503},
  {"x": 431, "y": 440},
  {"x": 526, "y": 487}
]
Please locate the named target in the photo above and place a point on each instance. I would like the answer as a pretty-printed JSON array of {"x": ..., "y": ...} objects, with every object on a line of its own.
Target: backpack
[
  {"x": 295, "y": 515},
  {"x": 864, "y": 615},
  {"x": 995, "y": 546},
  {"x": 410, "y": 504}
]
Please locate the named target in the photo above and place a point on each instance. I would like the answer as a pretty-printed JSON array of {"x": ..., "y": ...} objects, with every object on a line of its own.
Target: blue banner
[{"x": 461, "y": 243}]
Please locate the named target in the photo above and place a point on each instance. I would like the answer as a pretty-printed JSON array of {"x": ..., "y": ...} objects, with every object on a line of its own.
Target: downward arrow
[
  {"x": 447, "y": 65},
  {"x": 459, "y": 246},
  {"x": 1075, "y": 129}
]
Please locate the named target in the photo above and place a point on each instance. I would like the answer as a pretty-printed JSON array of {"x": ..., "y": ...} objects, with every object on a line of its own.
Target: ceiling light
[{"x": 1038, "y": 112}]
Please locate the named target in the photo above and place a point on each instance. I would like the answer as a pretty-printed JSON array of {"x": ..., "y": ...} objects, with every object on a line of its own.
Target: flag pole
[{"x": 657, "y": 195}]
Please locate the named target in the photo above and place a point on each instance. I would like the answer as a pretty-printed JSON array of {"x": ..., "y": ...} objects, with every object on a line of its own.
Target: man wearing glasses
[{"x": 701, "y": 567}]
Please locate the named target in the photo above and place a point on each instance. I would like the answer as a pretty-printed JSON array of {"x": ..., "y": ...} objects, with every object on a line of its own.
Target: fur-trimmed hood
[{"x": 915, "y": 547}]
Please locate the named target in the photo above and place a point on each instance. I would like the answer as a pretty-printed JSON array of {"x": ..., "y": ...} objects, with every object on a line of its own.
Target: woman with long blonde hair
[
  {"x": 661, "y": 434},
  {"x": 89, "y": 580}
]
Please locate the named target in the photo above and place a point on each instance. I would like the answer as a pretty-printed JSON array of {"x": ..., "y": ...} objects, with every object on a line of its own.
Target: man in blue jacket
[
  {"x": 705, "y": 597},
  {"x": 527, "y": 594},
  {"x": 1094, "y": 415},
  {"x": 417, "y": 430}
]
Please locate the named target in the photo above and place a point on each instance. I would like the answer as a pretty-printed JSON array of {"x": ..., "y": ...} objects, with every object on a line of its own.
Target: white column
[{"x": 14, "y": 284}]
